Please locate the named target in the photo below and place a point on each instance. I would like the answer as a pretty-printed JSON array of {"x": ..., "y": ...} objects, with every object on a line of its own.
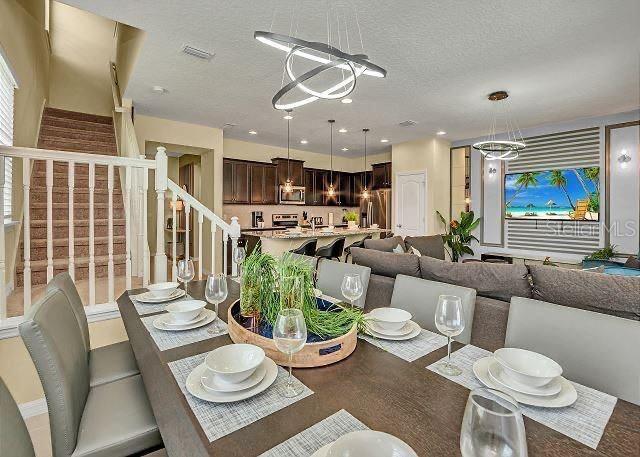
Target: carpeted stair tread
[{"x": 77, "y": 116}]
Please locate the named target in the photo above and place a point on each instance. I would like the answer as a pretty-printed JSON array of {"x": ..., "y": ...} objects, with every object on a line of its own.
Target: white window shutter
[{"x": 7, "y": 87}]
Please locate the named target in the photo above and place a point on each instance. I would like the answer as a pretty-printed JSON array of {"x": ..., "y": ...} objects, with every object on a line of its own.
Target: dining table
[{"x": 384, "y": 392}]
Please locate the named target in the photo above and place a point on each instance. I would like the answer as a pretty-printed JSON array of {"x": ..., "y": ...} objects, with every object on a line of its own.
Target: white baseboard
[{"x": 33, "y": 408}]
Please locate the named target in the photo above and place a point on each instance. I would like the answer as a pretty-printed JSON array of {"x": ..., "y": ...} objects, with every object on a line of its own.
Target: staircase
[{"x": 77, "y": 132}]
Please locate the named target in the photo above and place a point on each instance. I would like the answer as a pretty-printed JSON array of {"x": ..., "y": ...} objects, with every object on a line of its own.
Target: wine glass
[
  {"x": 239, "y": 254},
  {"x": 186, "y": 272},
  {"x": 492, "y": 426},
  {"x": 450, "y": 322},
  {"x": 352, "y": 287},
  {"x": 289, "y": 336},
  {"x": 216, "y": 292}
]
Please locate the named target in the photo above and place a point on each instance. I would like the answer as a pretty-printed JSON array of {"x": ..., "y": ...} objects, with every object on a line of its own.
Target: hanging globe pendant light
[
  {"x": 502, "y": 124},
  {"x": 365, "y": 191},
  {"x": 331, "y": 191},
  {"x": 288, "y": 184}
]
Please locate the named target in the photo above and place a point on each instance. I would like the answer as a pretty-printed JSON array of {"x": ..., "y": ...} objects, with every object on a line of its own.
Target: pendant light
[
  {"x": 510, "y": 147},
  {"x": 331, "y": 191},
  {"x": 288, "y": 185},
  {"x": 365, "y": 191}
]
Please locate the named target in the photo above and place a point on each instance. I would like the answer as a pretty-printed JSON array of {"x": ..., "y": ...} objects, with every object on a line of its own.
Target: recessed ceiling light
[
  {"x": 252, "y": 132},
  {"x": 159, "y": 89},
  {"x": 287, "y": 117},
  {"x": 345, "y": 149},
  {"x": 384, "y": 140},
  {"x": 441, "y": 132},
  {"x": 303, "y": 141},
  {"x": 346, "y": 100},
  {"x": 342, "y": 130}
]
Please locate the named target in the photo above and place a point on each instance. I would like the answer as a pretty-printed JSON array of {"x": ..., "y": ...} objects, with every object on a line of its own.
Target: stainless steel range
[{"x": 284, "y": 220}]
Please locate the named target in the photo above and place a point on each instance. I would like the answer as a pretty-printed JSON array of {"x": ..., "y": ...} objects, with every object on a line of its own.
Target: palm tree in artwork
[
  {"x": 524, "y": 181},
  {"x": 593, "y": 175},
  {"x": 557, "y": 179}
]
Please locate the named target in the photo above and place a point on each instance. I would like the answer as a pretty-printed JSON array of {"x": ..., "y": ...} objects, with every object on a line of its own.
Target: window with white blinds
[{"x": 7, "y": 87}]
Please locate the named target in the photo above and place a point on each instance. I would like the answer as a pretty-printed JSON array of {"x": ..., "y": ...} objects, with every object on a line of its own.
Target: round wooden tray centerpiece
[{"x": 315, "y": 353}]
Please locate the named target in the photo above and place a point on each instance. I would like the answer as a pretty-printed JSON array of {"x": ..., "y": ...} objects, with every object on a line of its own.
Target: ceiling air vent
[
  {"x": 228, "y": 125},
  {"x": 407, "y": 123},
  {"x": 199, "y": 53}
]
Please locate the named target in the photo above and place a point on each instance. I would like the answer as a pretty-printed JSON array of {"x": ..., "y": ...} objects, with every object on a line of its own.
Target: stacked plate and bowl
[
  {"x": 160, "y": 293},
  {"x": 369, "y": 443},
  {"x": 184, "y": 315},
  {"x": 391, "y": 324},
  {"x": 530, "y": 378},
  {"x": 232, "y": 373}
]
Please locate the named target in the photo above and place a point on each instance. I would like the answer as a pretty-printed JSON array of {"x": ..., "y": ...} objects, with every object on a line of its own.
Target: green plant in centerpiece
[
  {"x": 351, "y": 216},
  {"x": 458, "y": 236},
  {"x": 258, "y": 284},
  {"x": 606, "y": 253}
]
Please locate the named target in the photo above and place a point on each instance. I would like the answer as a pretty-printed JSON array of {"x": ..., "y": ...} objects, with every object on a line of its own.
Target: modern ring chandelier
[
  {"x": 509, "y": 147},
  {"x": 328, "y": 56}
]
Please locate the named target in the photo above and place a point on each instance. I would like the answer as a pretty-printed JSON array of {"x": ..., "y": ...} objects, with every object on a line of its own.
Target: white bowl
[
  {"x": 374, "y": 226},
  {"x": 391, "y": 319},
  {"x": 370, "y": 443},
  {"x": 235, "y": 362},
  {"x": 529, "y": 368},
  {"x": 185, "y": 310},
  {"x": 162, "y": 289}
]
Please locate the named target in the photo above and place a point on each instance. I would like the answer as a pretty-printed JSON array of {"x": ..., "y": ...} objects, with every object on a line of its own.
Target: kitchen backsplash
[{"x": 243, "y": 212}]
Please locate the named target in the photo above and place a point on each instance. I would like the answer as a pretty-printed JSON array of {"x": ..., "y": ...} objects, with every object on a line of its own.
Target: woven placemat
[
  {"x": 310, "y": 440},
  {"x": 220, "y": 419},
  {"x": 166, "y": 339},
  {"x": 584, "y": 421},
  {"x": 412, "y": 349}
]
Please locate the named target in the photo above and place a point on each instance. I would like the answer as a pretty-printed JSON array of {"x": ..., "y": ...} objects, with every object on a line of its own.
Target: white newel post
[
  {"x": 3, "y": 295},
  {"x": 160, "y": 260},
  {"x": 234, "y": 234}
]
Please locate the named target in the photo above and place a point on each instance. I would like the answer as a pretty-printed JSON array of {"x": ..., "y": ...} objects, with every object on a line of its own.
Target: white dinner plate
[
  {"x": 194, "y": 385},
  {"x": 212, "y": 383},
  {"x": 497, "y": 374},
  {"x": 147, "y": 297},
  {"x": 161, "y": 322},
  {"x": 414, "y": 332},
  {"x": 405, "y": 330},
  {"x": 197, "y": 319},
  {"x": 566, "y": 397}
]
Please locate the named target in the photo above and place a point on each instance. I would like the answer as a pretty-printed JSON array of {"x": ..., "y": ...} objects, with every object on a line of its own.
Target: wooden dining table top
[{"x": 383, "y": 391}]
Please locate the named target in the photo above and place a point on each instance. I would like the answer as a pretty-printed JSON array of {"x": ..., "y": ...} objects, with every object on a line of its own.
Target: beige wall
[
  {"x": 458, "y": 170},
  {"x": 432, "y": 155},
  {"x": 82, "y": 46},
  {"x": 24, "y": 44},
  {"x": 128, "y": 46}
]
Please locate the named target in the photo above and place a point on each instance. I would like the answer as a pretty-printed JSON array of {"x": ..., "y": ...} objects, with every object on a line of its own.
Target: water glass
[
  {"x": 352, "y": 287},
  {"x": 449, "y": 321},
  {"x": 492, "y": 426},
  {"x": 239, "y": 254},
  {"x": 216, "y": 292},
  {"x": 290, "y": 336},
  {"x": 186, "y": 272}
]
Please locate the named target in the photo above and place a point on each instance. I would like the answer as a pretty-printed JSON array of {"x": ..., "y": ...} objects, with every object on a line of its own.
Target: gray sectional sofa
[{"x": 495, "y": 284}]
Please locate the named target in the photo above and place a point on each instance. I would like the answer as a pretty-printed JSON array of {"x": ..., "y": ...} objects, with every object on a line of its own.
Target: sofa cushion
[
  {"x": 386, "y": 244},
  {"x": 431, "y": 246},
  {"x": 387, "y": 263},
  {"x": 608, "y": 294},
  {"x": 499, "y": 281},
  {"x": 632, "y": 262}
]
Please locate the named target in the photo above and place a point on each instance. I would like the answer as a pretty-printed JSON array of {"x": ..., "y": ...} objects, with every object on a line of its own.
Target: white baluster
[
  {"x": 160, "y": 260},
  {"x": 127, "y": 222},
  {"x": 138, "y": 212},
  {"x": 92, "y": 247},
  {"x": 3, "y": 295},
  {"x": 174, "y": 228},
  {"x": 235, "y": 234},
  {"x": 26, "y": 231},
  {"x": 200, "y": 258},
  {"x": 145, "y": 242},
  {"x": 49, "y": 220},
  {"x": 110, "y": 268},
  {"x": 213, "y": 247},
  {"x": 71, "y": 182},
  {"x": 187, "y": 213},
  {"x": 225, "y": 254}
]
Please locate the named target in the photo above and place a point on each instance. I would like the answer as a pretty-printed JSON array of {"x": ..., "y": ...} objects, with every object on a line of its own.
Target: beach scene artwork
[{"x": 567, "y": 194}]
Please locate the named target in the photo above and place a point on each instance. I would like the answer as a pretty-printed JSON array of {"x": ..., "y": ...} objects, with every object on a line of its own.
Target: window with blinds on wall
[{"x": 7, "y": 87}]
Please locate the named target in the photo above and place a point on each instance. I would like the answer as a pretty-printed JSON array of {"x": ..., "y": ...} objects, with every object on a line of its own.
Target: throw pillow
[
  {"x": 398, "y": 250},
  {"x": 415, "y": 251}
]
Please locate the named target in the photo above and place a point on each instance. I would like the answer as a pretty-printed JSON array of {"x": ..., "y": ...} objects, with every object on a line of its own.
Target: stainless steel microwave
[{"x": 295, "y": 197}]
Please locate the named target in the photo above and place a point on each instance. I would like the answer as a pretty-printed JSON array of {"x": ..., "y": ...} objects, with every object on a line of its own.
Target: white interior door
[{"x": 410, "y": 195}]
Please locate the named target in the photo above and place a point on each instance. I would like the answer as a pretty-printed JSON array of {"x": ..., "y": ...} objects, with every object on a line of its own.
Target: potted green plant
[
  {"x": 352, "y": 219},
  {"x": 458, "y": 235},
  {"x": 602, "y": 257}
]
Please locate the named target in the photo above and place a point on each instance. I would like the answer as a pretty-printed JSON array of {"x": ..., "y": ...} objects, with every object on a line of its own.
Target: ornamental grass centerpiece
[{"x": 269, "y": 285}]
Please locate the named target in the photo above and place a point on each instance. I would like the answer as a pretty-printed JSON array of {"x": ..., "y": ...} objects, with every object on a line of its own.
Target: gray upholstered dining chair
[
  {"x": 14, "y": 436},
  {"x": 594, "y": 349},
  {"x": 106, "y": 363},
  {"x": 109, "y": 419},
  {"x": 331, "y": 273},
  {"x": 420, "y": 298}
]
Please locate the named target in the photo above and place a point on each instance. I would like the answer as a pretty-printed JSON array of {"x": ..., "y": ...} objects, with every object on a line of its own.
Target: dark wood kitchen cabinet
[
  {"x": 235, "y": 178},
  {"x": 381, "y": 175},
  {"x": 263, "y": 183},
  {"x": 314, "y": 183},
  {"x": 295, "y": 170}
]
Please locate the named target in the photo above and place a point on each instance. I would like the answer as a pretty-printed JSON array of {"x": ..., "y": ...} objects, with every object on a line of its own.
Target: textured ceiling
[{"x": 559, "y": 60}]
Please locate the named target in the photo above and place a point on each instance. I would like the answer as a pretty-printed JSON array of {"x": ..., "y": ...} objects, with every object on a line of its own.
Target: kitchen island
[{"x": 276, "y": 242}]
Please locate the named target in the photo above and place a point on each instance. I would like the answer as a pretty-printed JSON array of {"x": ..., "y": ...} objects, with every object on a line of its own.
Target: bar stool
[
  {"x": 357, "y": 244},
  {"x": 306, "y": 248},
  {"x": 332, "y": 250}
]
